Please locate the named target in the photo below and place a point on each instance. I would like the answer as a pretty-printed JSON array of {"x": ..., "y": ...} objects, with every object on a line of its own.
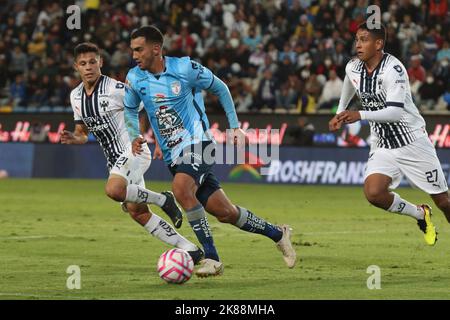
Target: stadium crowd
[{"x": 282, "y": 56}]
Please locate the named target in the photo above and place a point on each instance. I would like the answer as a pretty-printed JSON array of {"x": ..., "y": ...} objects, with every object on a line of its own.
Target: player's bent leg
[
  {"x": 184, "y": 189},
  {"x": 220, "y": 206},
  {"x": 376, "y": 190},
  {"x": 442, "y": 201},
  {"x": 116, "y": 188},
  {"x": 161, "y": 229}
]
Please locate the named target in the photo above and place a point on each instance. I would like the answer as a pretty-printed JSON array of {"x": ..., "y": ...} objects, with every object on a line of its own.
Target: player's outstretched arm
[
  {"x": 131, "y": 103},
  {"x": 220, "y": 89},
  {"x": 203, "y": 78},
  {"x": 131, "y": 116},
  {"x": 79, "y": 136},
  {"x": 348, "y": 91}
]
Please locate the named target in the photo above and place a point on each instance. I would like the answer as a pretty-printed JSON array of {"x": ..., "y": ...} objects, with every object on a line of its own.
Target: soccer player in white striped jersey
[
  {"x": 98, "y": 108},
  {"x": 400, "y": 145}
]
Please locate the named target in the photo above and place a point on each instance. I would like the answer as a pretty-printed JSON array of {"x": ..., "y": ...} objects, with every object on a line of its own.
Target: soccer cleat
[
  {"x": 427, "y": 227},
  {"x": 209, "y": 267},
  {"x": 171, "y": 208},
  {"x": 197, "y": 255},
  {"x": 285, "y": 246}
]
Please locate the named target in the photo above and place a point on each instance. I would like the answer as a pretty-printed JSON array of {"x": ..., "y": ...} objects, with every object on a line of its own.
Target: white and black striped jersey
[
  {"x": 103, "y": 114},
  {"x": 386, "y": 86}
]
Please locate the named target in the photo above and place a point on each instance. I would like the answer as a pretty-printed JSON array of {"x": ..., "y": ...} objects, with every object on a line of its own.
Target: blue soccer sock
[
  {"x": 250, "y": 222},
  {"x": 199, "y": 223}
]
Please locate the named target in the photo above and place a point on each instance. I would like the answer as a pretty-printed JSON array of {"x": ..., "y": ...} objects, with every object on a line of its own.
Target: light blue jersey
[{"x": 174, "y": 103}]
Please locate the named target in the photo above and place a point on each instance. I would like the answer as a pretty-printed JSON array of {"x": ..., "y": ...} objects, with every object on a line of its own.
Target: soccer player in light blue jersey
[{"x": 170, "y": 89}]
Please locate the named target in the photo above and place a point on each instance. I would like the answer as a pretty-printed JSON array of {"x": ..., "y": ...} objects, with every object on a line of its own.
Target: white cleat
[
  {"x": 285, "y": 246},
  {"x": 209, "y": 267}
]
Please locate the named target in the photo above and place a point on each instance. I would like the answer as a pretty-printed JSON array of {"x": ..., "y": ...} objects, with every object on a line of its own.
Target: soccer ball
[{"x": 175, "y": 266}]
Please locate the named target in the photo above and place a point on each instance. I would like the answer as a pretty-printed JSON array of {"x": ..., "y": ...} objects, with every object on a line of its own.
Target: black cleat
[
  {"x": 171, "y": 208},
  {"x": 197, "y": 255}
]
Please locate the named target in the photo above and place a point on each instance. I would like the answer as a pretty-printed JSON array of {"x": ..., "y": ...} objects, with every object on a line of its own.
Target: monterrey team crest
[{"x": 176, "y": 87}]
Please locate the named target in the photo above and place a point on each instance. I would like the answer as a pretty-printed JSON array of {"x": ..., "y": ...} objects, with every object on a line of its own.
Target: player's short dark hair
[
  {"x": 85, "y": 47},
  {"x": 150, "y": 33},
  {"x": 378, "y": 31}
]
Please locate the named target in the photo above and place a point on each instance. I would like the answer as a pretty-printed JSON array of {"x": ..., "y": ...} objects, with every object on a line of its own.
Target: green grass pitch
[{"x": 48, "y": 225}]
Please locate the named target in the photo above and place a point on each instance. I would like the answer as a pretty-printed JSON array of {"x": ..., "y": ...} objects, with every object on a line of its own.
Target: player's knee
[
  {"x": 116, "y": 192},
  {"x": 373, "y": 195},
  {"x": 184, "y": 197}
]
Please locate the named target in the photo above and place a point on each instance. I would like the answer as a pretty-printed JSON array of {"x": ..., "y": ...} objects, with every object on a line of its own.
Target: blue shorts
[{"x": 194, "y": 165}]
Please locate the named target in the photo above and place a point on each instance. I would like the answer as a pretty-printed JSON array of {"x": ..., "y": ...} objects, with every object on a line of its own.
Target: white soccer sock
[
  {"x": 162, "y": 230},
  {"x": 401, "y": 206},
  {"x": 137, "y": 194}
]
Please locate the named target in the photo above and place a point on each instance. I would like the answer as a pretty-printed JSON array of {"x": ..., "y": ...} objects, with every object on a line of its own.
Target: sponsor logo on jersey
[
  {"x": 368, "y": 105},
  {"x": 169, "y": 124},
  {"x": 159, "y": 98},
  {"x": 95, "y": 124}
]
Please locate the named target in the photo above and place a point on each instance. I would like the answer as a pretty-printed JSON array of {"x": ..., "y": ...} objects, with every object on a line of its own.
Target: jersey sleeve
[
  {"x": 199, "y": 76},
  {"x": 76, "y": 110},
  {"x": 131, "y": 110},
  {"x": 131, "y": 99},
  {"x": 118, "y": 94},
  {"x": 348, "y": 90},
  {"x": 395, "y": 82}
]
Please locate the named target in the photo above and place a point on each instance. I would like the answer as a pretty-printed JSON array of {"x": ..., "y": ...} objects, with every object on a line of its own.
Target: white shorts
[
  {"x": 131, "y": 167},
  {"x": 418, "y": 162}
]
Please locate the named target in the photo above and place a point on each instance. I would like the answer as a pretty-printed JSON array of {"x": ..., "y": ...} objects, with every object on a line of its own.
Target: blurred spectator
[
  {"x": 285, "y": 97},
  {"x": 18, "y": 91},
  {"x": 304, "y": 28},
  {"x": 42, "y": 93},
  {"x": 258, "y": 57},
  {"x": 19, "y": 62},
  {"x": 429, "y": 93},
  {"x": 408, "y": 33},
  {"x": 37, "y": 47},
  {"x": 331, "y": 91},
  {"x": 284, "y": 68},
  {"x": 444, "y": 52},
  {"x": 252, "y": 40},
  {"x": 416, "y": 71},
  {"x": 265, "y": 97},
  {"x": 224, "y": 71},
  {"x": 121, "y": 57},
  {"x": 438, "y": 10},
  {"x": 287, "y": 53},
  {"x": 185, "y": 41}
]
